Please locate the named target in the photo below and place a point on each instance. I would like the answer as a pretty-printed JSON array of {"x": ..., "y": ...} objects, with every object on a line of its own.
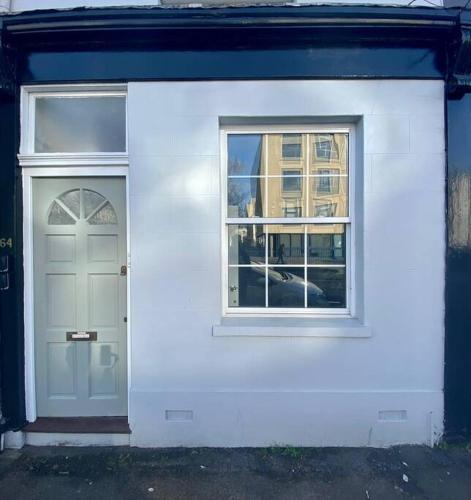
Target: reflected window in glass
[
  {"x": 291, "y": 146},
  {"x": 291, "y": 180},
  {"x": 325, "y": 210},
  {"x": 325, "y": 148},
  {"x": 291, "y": 211},
  {"x": 327, "y": 182}
]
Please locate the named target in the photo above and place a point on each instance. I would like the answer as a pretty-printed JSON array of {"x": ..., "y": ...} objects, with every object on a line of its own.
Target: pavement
[{"x": 415, "y": 472}]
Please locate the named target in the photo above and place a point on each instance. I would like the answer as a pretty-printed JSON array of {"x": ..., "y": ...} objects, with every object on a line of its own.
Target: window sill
[{"x": 288, "y": 327}]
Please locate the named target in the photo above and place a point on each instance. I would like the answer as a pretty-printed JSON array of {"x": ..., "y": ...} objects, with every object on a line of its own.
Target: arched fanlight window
[{"x": 77, "y": 204}]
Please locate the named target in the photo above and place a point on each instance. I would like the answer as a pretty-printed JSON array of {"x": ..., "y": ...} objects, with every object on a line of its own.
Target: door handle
[{"x": 81, "y": 336}]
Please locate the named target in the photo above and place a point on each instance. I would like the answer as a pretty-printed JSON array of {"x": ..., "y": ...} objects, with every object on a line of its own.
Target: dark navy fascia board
[{"x": 43, "y": 67}]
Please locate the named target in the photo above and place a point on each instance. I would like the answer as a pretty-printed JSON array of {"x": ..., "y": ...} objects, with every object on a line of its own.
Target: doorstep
[{"x": 79, "y": 425}]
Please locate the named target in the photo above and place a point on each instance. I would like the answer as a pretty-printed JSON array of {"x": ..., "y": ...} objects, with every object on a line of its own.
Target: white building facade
[{"x": 162, "y": 284}]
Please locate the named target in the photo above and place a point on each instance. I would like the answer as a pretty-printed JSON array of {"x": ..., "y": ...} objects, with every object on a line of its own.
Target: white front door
[{"x": 80, "y": 296}]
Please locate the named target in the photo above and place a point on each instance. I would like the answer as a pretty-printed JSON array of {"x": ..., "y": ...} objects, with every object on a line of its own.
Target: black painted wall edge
[
  {"x": 86, "y": 45},
  {"x": 11, "y": 301}
]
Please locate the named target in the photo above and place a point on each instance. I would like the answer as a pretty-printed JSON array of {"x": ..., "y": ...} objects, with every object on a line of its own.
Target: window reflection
[
  {"x": 326, "y": 147},
  {"x": 329, "y": 196},
  {"x": 287, "y": 176},
  {"x": 286, "y": 287},
  {"x": 286, "y": 196},
  {"x": 268, "y": 175},
  {"x": 244, "y": 197},
  {"x": 246, "y": 286},
  {"x": 331, "y": 281},
  {"x": 284, "y": 152},
  {"x": 291, "y": 146},
  {"x": 245, "y": 154},
  {"x": 246, "y": 244},
  {"x": 286, "y": 244},
  {"x": 327, "y": 181},
  {"x": 326, "y": 244},
  {"x": 291, "y": 181}
]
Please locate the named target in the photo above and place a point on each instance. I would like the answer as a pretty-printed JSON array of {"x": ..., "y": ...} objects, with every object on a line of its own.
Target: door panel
[{"x": 79, "y": 248}]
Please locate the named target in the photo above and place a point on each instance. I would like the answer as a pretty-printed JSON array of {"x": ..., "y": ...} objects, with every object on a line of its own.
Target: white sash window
[{"x": 288, "y": 220}]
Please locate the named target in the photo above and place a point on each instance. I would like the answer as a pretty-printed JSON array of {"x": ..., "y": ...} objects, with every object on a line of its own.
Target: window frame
[
  {"x": 350, "y": 227},
  {"x": 30, "y": 94}
]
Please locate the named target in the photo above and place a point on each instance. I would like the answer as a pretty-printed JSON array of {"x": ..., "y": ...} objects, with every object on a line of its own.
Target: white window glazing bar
[{"x": 267, "y": 236}]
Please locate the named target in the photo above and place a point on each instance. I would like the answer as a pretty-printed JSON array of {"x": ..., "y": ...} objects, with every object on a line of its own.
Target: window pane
[
  {"x": 326, "y": 287},
  {"x": 286, "y": 202},
  {"x": 291, "y": 182},
  {"x": 292, "y": 146},
  {"x": 106, "y": 215},
  {"x": 285, "y": 150},
  {"x": 58, "y": 216},
  {"x": 244, "y": 154},
  {"x": 329, "y": 150},
  {"x": 80, "y": 124},
  {"x": 329, "y": 196},
  {"x": 246, "y": 287},
  {"x": 244, "y": 197},
  {"x": 71, "y": 200},
  {"x": 326, "y": 244},
  {"x": 91, "y": 201},
  {"x": 330, "y": 147},
  {"x": 286, "y": 287},
  {"x": 246, "y": 244},
  {"x": 286, "y": 244}
]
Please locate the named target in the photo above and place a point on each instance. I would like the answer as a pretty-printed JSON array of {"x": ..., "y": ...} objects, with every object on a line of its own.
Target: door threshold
[{"x": 79, "y": 425}]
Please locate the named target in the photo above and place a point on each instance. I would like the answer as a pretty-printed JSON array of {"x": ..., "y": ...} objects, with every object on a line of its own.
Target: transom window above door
[
  {"x": 71, "y": 122},
  {"x": 77, "y": 204},
  {"x": 288, "y": 227}
]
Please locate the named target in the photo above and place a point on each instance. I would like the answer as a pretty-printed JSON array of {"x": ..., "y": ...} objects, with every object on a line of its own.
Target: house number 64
[{"x": 6, "y": 242}]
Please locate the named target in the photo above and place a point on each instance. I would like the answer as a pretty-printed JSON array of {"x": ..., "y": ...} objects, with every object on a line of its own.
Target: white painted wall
[
  {"x": 27, "y": 5},
  {"x": 254, "y": 391}
]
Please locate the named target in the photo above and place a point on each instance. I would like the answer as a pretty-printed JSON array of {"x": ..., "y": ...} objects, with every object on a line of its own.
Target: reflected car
[{"x": 286, "y": 289}]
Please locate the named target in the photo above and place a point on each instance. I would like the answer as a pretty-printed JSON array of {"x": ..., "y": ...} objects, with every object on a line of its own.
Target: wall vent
[
  {"x": 178, "y": 415},
  {"x": 392, "y": 415}
]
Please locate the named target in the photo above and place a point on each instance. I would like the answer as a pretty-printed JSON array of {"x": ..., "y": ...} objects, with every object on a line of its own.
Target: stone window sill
[{"x": 291, "y": 327}]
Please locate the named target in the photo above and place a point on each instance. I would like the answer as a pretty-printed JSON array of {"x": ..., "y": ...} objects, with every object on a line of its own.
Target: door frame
[{"x": 28, "y": 174}]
